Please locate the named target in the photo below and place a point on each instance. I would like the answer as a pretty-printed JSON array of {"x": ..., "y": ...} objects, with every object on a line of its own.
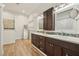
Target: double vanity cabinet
[{"x": 55, "y": 47}]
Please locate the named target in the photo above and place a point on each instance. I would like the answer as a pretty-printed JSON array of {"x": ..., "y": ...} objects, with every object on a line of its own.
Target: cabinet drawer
[
  {"x": 49, "y": 40},
  {"x": 41, "y": 37}
]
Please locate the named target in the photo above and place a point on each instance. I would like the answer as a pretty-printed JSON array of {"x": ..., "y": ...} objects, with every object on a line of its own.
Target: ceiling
[{"x": 28, "y": 8}]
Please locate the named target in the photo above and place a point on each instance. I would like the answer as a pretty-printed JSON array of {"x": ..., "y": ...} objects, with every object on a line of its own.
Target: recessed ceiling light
[{"x": 18, "y": 3}]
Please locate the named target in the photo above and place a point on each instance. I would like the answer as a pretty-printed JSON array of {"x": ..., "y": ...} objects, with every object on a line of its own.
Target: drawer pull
[
  {"x": 51, "y": 45},
  {"x": 40, "y": 42},
  {"x": 41, "y": 48}
]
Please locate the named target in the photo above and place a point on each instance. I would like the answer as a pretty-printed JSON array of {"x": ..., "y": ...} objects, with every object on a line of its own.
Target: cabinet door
[
  {"x": 39, "y": 42},
  {"x": 45, "y": 21},
  {"x": 49, "y": 49},
  {"x": 52, "y": 48},
  {"x": 42, "y": 46},
  {"x": 49, "y": 20},
  {"x": 58, "y": 51},
  {"x": 42, "y": 43},
  {"x": 35, "y": 40}
]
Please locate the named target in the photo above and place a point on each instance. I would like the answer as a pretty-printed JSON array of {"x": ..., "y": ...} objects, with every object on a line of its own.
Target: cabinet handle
[
  {"x": 66, "y": 54},
  {"x": 40, "y": 42},
  {"x": 40, "y": 37},
  {"x": 41, "y": 48},
  {"x": 51, "y": 45}
]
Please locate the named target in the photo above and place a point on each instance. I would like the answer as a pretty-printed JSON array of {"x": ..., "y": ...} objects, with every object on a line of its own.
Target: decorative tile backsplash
[
  {"x": 63, "y": 34},
  {"x": 60, "y": 33}
]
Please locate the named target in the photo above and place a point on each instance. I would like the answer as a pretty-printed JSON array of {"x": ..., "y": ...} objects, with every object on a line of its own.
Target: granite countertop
[{"x": 59, "y": 37}]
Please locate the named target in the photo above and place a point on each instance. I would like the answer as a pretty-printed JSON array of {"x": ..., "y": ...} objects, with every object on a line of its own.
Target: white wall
[
  {"x": 1, "y": 29},
  {"x": 8, "y": 34},
  {"x": 19, "y": 25},
  {"x": 33, "y": 23},
  {"x": 11, "y": 35},
  {"x": 0, "y": 33}
]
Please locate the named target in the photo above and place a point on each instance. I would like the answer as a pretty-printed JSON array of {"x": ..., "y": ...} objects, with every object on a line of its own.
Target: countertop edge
[{"x": 63, "y": 38}]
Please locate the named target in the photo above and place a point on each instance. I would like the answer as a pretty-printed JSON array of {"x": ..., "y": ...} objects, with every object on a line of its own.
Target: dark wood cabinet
[
  {"x": 42, "y": 43},
  {"x": 35, "y": 40},
  {"x": 49, "y": 49},
  {"x": 39, "y": 42},
  {"x": 55, "y": 47},
  {"x": 45, "y": 21},
  {"x": 52, "y": 49},
  {"x": 58, "y": 50},
  {"x": 49, "y": 19},
  {"x": 68, "y": 52}
]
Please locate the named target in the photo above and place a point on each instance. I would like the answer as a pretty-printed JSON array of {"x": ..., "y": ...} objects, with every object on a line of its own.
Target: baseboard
[
  {"x": 8, "y": 44},
  {"x": 39, "y": 51}
]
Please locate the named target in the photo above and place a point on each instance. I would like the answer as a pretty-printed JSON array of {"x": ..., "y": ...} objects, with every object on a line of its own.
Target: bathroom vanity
[{"x": 56, "y": 45}]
